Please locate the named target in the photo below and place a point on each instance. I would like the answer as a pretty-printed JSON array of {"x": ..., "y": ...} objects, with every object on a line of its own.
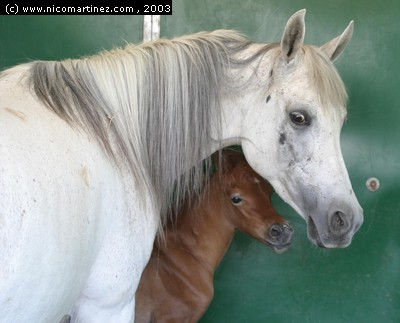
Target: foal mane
[{"x": 149, "y": 106}]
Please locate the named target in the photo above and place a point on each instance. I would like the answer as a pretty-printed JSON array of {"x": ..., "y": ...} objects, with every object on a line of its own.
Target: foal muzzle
[{"x": 279, "y": 236}]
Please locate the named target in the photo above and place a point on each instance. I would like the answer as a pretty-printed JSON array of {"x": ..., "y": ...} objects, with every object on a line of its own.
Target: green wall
[
  {"x": 305, "y": 284},
  {"x": 25, "y": 38}
]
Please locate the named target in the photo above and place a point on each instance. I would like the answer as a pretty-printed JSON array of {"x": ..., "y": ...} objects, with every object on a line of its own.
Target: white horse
[{"x": 92, "y": 151}]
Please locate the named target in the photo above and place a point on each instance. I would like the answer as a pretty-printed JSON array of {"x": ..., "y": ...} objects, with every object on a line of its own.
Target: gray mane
[{"x": 149, "y": 106}]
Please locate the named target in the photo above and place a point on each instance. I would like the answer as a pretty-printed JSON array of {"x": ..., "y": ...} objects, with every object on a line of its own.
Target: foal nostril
[
  {"x": 275, "y": 231},
  {"x": 340, "y": 222},
  {"x": 280, "y": 234}
]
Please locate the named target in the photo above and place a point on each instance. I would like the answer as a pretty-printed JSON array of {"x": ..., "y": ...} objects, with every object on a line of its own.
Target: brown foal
[{"x": 177, "y": 284}]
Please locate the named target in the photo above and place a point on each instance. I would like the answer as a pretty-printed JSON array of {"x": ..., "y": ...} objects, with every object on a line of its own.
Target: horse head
[{"x": 291, "y": 133}]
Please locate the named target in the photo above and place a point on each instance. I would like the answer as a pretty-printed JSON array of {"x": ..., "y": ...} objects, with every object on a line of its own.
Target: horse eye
[
  {"x": 300, "y": 118},
  {"x": 236, "y": 199}
]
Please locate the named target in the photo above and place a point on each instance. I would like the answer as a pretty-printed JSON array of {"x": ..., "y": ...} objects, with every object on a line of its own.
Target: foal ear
[
  {"x": 216, "y": 159},
  {"x": 293, "y": 36},
  {"x": 226, "y": 159},
  {"x": 336, "y": 46}
]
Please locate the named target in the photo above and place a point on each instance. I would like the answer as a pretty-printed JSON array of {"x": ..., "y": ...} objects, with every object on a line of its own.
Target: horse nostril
[
  {"x": 338, "y": 219},
  {"x": 339, "y": 222}
]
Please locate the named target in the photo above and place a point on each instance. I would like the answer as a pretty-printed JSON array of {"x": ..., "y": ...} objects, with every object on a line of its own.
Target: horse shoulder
[{"x": 62, "y": 200}]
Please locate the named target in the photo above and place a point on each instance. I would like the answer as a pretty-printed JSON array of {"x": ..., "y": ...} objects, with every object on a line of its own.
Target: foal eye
[
  {"x": 236, "y": 199},
  {"x": 300, "y": 118}
]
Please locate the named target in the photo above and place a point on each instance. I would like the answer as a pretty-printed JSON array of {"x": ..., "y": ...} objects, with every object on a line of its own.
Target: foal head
[{"x": 248, "y": 197}]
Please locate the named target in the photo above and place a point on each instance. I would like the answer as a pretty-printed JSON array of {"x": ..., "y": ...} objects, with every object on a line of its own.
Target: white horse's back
[{"x": 60, "y": 200}]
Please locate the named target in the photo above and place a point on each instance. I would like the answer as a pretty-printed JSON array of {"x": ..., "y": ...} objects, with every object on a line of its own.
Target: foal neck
[{"x": 205, "y": 230}]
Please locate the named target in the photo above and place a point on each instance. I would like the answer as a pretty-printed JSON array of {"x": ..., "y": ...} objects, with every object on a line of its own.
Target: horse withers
[{"x": 177, "y": 284}]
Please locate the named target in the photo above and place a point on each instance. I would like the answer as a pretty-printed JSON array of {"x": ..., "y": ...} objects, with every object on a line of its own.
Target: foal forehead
[{"x": 245, "y": 174}]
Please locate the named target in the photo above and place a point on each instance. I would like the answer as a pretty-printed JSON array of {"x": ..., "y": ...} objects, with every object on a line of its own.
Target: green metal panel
[
  {"x": 24, "y": 38},
  {"x": 305, "y": 284}
]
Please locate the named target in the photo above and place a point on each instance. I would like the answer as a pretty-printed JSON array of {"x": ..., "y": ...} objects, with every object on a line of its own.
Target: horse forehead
[
  {"x": 299, "y": 91},
  {"x": 297, "y": 80}
]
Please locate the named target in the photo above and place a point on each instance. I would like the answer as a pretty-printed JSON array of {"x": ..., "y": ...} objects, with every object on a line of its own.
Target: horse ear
[
  {"x": 336, "y": 46},
  {"x": 293, "y": 36}
]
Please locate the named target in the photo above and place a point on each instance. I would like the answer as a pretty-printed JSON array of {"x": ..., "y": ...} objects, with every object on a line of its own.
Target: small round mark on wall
[{"x": 372, "y": 184}]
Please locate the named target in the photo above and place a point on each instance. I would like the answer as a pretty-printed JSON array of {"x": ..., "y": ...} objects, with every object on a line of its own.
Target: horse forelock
[
  {"x": 325, "y": 79},
  {"x": 321, "y": 73},
  {"x": 150, "y": 106}
]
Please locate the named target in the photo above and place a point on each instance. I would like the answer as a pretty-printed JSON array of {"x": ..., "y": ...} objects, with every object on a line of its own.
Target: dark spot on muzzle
[{"x": 282, "y": 138}]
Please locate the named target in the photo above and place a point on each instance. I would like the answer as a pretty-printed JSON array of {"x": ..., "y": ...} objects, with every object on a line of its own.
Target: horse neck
[
  {"x": 241, "y": 98},
  {"x": 206, "y": 230}
]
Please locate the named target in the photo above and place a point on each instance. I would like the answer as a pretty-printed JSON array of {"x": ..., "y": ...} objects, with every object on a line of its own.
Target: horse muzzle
[{"x": 337, "y": 231}]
